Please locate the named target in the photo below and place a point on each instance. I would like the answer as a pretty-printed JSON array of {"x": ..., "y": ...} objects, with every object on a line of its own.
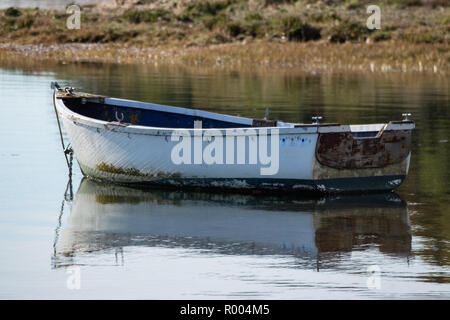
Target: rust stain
[
  {"x": 109, "y": 168},
  {"x": 342, "y": 150},
  {"x": 134, "y": 118},
  {"x": 117, "y": 170},
  {"x": 264, "y": 123},
  {"x": 78, "y": 94},
  {"x": 325, "y": 172},
  {"x": 106, "y": 116}
]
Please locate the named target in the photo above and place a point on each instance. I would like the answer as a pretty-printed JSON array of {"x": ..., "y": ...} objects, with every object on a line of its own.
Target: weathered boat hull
[{"x": 325, "y": 158}]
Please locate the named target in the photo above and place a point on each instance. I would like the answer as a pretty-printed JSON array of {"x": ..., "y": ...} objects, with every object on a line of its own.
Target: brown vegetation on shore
[{"x": 312, "y": 35}]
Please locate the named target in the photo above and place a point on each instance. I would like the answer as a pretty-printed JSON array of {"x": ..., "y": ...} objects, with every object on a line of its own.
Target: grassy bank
[{"x": 314, "y": 36}]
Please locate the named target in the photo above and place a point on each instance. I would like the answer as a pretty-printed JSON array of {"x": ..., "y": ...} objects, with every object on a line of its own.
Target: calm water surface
[{"x": 156, "y": 244}]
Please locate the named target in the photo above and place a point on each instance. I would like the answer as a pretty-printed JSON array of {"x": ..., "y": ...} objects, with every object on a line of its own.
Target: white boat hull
[{"x": 125, "y": 153}]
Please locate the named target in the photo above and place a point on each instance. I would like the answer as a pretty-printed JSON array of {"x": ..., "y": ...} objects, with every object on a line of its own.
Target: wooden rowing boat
[{"x": 133, "y": 142}]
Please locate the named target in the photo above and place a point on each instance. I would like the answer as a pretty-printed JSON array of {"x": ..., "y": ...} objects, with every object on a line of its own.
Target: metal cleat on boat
[
  {"x": 317, "y": 119},
  {"x": 54, "y": 85},
  {"x": 406, "y": 116}
]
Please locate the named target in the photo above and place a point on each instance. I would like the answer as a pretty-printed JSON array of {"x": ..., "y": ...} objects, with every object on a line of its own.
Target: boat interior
[
  {"x": 153, "y": 115},
  {"x": 131, "y": 112}
]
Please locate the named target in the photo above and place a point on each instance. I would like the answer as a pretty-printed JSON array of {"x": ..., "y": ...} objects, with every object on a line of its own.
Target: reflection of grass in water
[{"x": 310, "y": 56}]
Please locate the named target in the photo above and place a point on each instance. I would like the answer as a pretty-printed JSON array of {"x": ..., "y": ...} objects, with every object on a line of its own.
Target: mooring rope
[
  {"x": 60, "y": 133},
  {"x": 69, "y": 152},
  {"x": 68, "y": 197},
  {"x": 68, "y": 194}
]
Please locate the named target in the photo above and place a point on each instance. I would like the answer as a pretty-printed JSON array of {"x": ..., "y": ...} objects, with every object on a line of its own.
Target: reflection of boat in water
[{"x": 105, "y": 216}]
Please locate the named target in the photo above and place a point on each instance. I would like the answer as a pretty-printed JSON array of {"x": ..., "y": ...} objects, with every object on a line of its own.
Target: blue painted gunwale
[{"x": 152, "y": 115}]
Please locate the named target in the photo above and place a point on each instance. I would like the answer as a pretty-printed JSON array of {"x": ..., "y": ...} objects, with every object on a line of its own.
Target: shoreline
[
  {"x": 235, "y": 34},
  {"x": 304, "y": 57}
]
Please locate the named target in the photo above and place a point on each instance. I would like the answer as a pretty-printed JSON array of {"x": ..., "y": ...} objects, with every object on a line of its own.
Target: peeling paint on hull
[
  {"x": 336, "y": 185},
  {"x": 344, "y": 151}
]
